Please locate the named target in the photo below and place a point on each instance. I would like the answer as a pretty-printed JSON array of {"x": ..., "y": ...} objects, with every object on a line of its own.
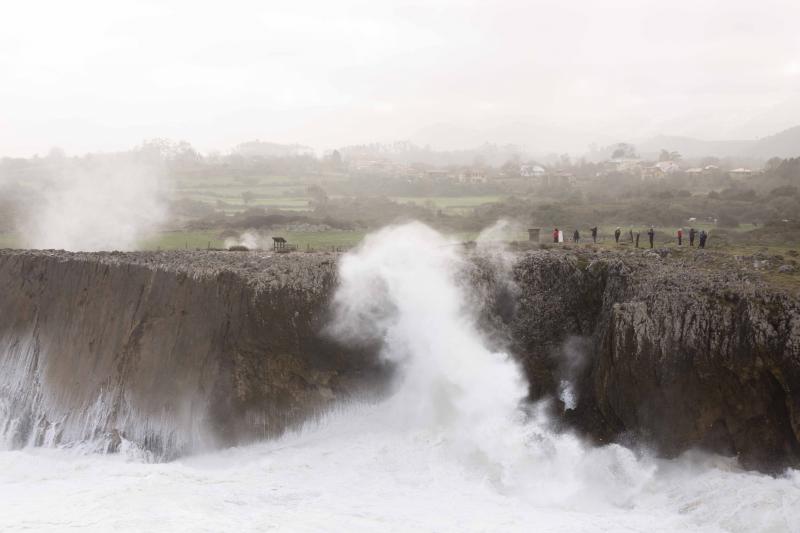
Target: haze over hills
[
  {"x": 449, "y": 143},
  {"x": 536, "y": 136},
  {"x": 537, "y": 140},
  {"x": 782, "y": 144}
]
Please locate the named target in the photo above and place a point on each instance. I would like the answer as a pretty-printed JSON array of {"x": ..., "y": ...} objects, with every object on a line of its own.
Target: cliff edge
[{"x": 176, "y": 352}]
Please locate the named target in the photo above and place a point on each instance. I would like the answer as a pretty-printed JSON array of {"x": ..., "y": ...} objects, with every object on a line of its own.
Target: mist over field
[{"x": 447, "y": 106}]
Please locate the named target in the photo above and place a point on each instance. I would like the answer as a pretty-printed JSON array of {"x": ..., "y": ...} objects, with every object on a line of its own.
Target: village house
[
  {"x": 740, "y": 173},
  {"x": 695, "y": 172},
  {"x": 660, "y": 170},
  {"x": 531, "y": 171},
  {"x": 472, "y": 175},
  {"x": 627, "y": 166}
]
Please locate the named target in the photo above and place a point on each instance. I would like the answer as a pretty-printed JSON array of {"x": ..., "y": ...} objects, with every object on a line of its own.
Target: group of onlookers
[{"x": 701, "y": 236}]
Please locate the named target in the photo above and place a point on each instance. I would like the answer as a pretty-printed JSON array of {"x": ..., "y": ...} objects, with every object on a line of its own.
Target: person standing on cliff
[
  {"x": 594, "y": 234},
  {"x": 617, "y": 233},
  {"x": 576, "y": 237},
  {"x": 703, "y": 237},
  {"x": 692, "y": 233},
  {"x": 630, "y": 233},
  {"x": 637, "y": 238},
  {"x": 555, "y": 235},
  {"x": 680, "y": 236},
  {"x": 651, "y": 233}
]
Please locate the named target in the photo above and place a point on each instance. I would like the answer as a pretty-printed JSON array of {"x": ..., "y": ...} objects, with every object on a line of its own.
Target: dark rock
[
  {"x": 113, "y": 441},
  {"x": 680, "y": 357},
  {"x": 180, "y": 351}
]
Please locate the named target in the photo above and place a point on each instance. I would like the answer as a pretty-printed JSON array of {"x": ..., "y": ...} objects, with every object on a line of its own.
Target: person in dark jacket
[
  {"x": 703, "y": 237},
  {"x": 630, "y": 232},
  {"x": 692, "y": 233},
  {"x": 651, "y": 233},
  {"x": 576, "y": 236},
  {"x": 555, "y": 235},
  {"x": 594, "y": 234},
  {"x": 680, "y": 236},
  {"x": 637, "y": 239},
  {"x": 617, "y": 233}
]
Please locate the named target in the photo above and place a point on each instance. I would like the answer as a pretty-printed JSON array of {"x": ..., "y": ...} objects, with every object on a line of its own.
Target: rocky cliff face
[
  {"x": 174, "y": 352},
  {"x": 181, "y": 351},
  {"x": 663, "y": 352}
]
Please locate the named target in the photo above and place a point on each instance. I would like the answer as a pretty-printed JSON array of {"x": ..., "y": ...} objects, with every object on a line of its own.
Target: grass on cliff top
[
  {"x": 304, "y": 240},
  {"x": 192, "y": 240}
]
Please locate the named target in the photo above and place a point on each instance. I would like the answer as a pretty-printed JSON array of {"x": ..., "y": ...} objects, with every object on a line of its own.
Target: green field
[
  {"x": 278, "y": 192},
  {"x": 237, "y": 204},
  {"x": 305, "y": 240},
  {"x": 9, "y": 240},
  {"x": 291, "y": 193},
  {"x": 178, "y": 240},
  {"x": 284, "y": 193},
  {"x": 665, "y": 236},
  {"x": 191, "y": 240},
  {"x": 449, "y": 203},
  {"x": 322, "y": 240}
]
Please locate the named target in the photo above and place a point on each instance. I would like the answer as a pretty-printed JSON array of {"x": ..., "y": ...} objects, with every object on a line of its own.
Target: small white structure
[
  {"x": 660, "y": 169},
  {"x": 628, "y": 166},
  {"x": 472, "y": 176},
  {"x": 740, "y": 173},
  {"x": 531, "y": 171},
  {"x": 668, "y": 167}
]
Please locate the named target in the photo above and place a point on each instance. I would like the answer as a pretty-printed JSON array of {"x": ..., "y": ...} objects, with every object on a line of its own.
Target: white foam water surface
[{"x": 353, "y": 473}]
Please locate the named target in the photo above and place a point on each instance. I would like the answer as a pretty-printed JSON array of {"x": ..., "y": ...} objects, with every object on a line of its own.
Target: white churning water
[{"x": 449, "y": 450}]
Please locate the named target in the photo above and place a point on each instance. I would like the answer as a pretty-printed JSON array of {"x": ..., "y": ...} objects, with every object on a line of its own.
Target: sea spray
[
  {"x": 109, "y": 202},
  {"x": 402, "y": 287}
]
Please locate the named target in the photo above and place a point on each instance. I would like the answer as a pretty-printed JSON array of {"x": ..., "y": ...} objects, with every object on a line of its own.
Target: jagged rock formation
[
  {"x": 180, "y": 351},
  {"x": 174, "y": 352},
  {"x": 664, "y": 352}
]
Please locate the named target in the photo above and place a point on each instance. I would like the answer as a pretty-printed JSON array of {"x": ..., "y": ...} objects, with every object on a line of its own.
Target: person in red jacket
[
  {"x": 680, "y": 236},
  {"x": 555, "y": 235}
]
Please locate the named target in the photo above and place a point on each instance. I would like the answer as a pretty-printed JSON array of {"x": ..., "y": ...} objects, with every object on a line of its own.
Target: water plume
[
  {"x": 250, "y": 239},
  {"x": 402, "y": 287},
  {"x": 110, "y": 202}
]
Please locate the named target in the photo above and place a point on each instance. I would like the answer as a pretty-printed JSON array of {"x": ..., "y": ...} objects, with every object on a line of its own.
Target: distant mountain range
[
  {"x": 541, "y": 138},
  {"x": 784, "y": 144}
]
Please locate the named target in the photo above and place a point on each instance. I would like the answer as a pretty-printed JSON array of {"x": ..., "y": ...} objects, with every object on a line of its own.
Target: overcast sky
[{"x": 550, "y": 75}]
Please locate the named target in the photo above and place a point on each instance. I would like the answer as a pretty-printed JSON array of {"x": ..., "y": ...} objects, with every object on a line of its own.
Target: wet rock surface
[
  {"x": 175, "y": 352},
  {"x": 664, "y": 352},
  {"x": 181, "y": 351}
]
